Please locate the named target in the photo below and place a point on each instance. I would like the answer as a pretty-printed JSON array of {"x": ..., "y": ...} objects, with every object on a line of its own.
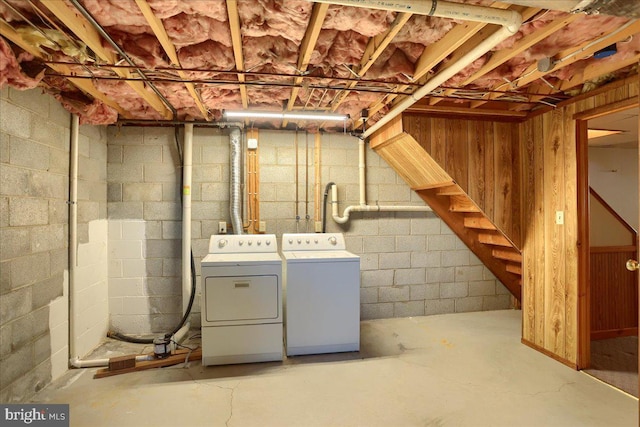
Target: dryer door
[{"x": 241, "y": 298}]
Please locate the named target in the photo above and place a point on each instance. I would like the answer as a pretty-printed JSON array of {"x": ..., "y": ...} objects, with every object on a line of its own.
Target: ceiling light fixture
[
  {"x": 284, "y": 115},
  {"x": 597, "y": 133}
]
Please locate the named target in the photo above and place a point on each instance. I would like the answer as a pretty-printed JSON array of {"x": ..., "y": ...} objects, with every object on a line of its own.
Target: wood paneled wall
[
  {"x": 483, "y": 158},
  {"x": 550, "y": 298}
]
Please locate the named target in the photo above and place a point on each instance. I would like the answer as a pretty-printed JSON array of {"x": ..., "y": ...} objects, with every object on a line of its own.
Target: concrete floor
[{"x": 450, "y": 370}]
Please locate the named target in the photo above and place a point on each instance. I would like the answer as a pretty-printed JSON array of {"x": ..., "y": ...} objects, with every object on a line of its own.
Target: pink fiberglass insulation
[
  {"x": 355, "y": 102},
  {"x": 367, "y": 22},
  {"x": 215, "y": 9},
  {"x": 8, "y": 14},
  {"x": 115, "y": 12},
  {"x": 268, "y": 96},
  {"x": 186, "y": 30},
  {"x": 392, "y": 65},
  {"x": 92, "y": 113},
  {"x": 11, "y": 73},
  {"x": 143, "y": 49},
  {"x": 280, "y": 53},
  {"x": 221, "y": 97},
  {"x": 180, "y": 98},
  {"x": 337, "y": 50},
  {"x": 127, "y": 98},
  {"x": 286, "y": 19},
  {"x": 208, "y": 55}
]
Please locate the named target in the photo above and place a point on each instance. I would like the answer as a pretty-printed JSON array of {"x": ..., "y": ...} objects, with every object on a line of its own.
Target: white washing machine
[
  {"x": 242, "y": 300},
  {"x": 322, "y": 294}
]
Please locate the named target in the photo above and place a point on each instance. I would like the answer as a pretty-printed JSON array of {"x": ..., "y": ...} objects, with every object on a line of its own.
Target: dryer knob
[
  {"x": 240, "y": 242},
  {"x": 259, "y": 242},
  {"x": 308, "y": 241},
  {"x": 222, "y": 243},
  {"x": 299, "y": 241},
  {"x": 315, "y": 241},
  {"x": 291, "y": 241},
  {"x": 268, "y": 242},
  {"x": 249, "y": 243},
  {"x": 333, "y": 240}
]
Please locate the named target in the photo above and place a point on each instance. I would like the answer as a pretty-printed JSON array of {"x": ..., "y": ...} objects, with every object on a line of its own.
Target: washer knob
[
  {"x": 249, "y": 243},
  {"x": 268, "y": 242},
  {"x": 333, "y": 240},
  {"x": 240, "y": 242},
  {"x": 222, "y": 243},
  {"x": 299, "y": 241},
  {"x": 259, "y": 242},
  {"x": 308, "y": 241},
  {"x": 315, "y": 241},
  {"x": 290, "y": 241}
]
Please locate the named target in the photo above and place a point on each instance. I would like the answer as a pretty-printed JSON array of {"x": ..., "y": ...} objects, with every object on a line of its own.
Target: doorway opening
[{"x": 608, "y": 156}]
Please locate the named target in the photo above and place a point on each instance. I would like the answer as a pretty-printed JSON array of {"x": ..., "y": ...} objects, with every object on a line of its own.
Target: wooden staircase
[
  {"x": 484, "y": 239},
  {"x": 450, "y": 202}
]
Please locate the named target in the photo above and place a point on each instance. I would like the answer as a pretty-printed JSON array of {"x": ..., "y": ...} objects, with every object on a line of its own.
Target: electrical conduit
[{"x": 187, "y": 167}]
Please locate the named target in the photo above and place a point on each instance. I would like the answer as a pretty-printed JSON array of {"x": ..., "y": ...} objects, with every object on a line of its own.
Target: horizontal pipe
[
  {"x": 78, "y": 363},
  {"x": 368, "y": 208}
]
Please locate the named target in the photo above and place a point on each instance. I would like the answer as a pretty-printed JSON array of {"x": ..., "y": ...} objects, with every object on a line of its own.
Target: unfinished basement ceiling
[{"x": 165, "y": 60}]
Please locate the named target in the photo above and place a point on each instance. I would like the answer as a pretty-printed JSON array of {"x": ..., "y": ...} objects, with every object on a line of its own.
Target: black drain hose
[{"x": 324, "y": 205}]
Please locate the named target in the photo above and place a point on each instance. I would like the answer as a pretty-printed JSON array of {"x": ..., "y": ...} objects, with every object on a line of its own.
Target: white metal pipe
[
  {"x": 442, "y": 9},
  {"x": 73, "y": 230},
  {"x": 76, "y": 362},
  {"x": 361, "y": 170},
  {"x": 367, "y": 208},
  {"x": 187, "y": 165},
  {"x": 482, "y": 48}
]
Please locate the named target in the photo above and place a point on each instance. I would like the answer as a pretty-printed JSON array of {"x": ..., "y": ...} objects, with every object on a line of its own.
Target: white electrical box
[
  {"x": 222, "y": 227},
  {"x": 559, "y": 217},
  {"x": 252, "y": 144}
]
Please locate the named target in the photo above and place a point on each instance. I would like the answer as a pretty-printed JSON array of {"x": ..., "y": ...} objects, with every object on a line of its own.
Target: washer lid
[
  {"x": 245, "y": 259},
  {"x": 319, "y": 256}
]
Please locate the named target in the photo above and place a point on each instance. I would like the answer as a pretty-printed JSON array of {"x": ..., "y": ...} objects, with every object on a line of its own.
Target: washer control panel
[
  {"x": 313, "y": 242},
  {"x": 242, "y": 243}
]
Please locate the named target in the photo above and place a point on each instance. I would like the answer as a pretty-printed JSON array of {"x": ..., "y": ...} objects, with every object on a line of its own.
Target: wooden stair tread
[
  {"x": 450, "y": 190},
  {"x": 478, "y": 222},
  {"x": 494, "y": 239},
  {"x": 507, "y": 255},
  {"x": 462, "y": 204},
  {"x": 514, "y": 268}
]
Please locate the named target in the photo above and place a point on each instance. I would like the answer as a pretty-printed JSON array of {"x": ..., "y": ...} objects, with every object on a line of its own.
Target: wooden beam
[
  {"x": 236, "y": 40},
  {"x": 595, "y": 70},
  {"x": 569, "y": 56},
  {"x": 170, "y": 50},
  {"x": 424, "y": 108},
  {"x": 318, "y": 13},
  {"x": 83, "y": 84},
  {"x": 88, "y": 34}
]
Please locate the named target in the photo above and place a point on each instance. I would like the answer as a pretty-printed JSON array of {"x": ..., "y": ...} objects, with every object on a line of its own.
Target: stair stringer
[{"x": 405, "y": 155}]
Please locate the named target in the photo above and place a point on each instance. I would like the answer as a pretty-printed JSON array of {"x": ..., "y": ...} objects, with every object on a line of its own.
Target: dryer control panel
[
  {"x": 313, "y": 242},
  {"x": 242, "y": 243}
]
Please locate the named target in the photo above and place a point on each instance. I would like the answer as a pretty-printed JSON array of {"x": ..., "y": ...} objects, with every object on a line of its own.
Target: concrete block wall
[
  {"x": 34, "y": 189},
  {"x": 412, "y": 264}
]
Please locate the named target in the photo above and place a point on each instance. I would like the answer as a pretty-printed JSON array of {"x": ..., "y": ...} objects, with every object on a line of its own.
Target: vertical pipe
[
  {"x": 187, "y": 165},
  {"x": 73, "y": 230},
  {"x": 361, "y": 170}
]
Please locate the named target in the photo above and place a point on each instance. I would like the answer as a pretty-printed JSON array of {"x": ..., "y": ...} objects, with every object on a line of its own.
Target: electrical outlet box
[
  {"x": 262, "y": 226},
  {"x": 559, "y": 217},
  {"x": 318, "y": 226},
  {"x": 252, "y": 144},
  {"x": 222, "y": 227}
]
